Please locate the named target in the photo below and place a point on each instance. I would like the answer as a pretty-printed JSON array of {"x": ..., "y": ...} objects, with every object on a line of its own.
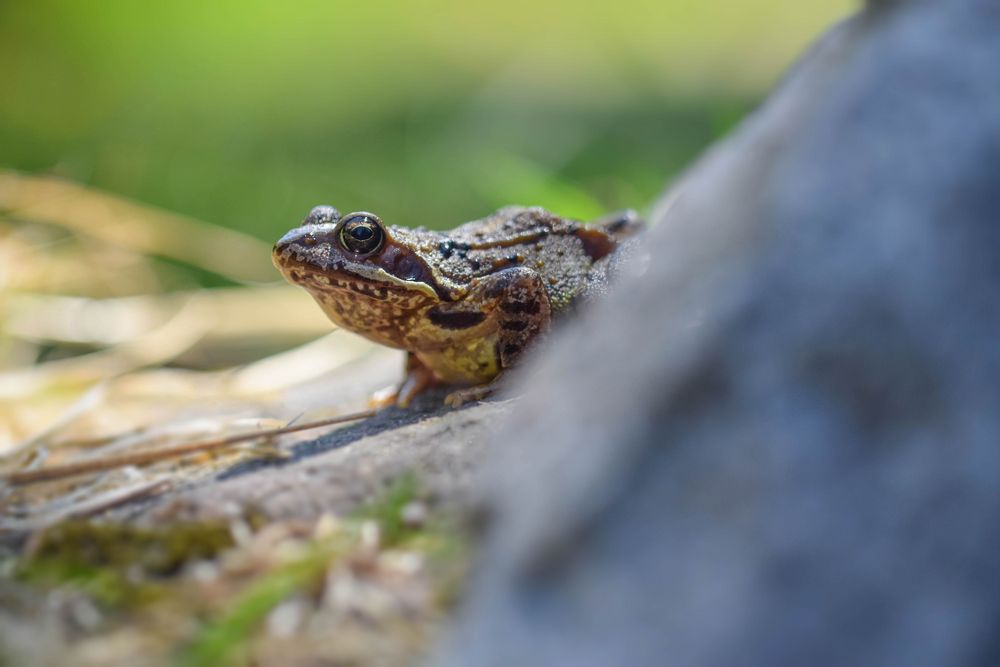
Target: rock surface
[
  {"x": 783, "y": 445},
  {"x": 340, "y": 471}
]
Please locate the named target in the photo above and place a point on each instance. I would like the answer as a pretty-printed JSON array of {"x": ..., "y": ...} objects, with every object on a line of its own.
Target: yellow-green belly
[{"x": 469, "y": 362}]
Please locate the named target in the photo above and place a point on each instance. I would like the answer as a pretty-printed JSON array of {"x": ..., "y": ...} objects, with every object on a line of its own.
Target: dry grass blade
[
  {"x": 143, "y": 458},
  {"x": 178, "y": 334},
  {"x": 229, "y": 313},
  {"x": 89, "y": 507},
  {"x": 120, "y": 222},
  {"x": 87, "y": 402}
]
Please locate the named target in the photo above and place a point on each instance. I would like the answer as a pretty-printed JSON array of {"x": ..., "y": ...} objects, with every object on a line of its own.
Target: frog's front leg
[
  {"x": 418, "y": 378},
  {"x": 520, "y": 306}
]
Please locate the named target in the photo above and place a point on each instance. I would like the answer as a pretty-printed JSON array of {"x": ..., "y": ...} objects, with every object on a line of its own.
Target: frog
[{"x": 465, "y": 304}]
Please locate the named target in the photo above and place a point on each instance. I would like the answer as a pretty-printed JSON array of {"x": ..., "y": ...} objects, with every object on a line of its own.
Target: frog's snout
[
  {"x": 315, "y": 230},
  {"x": 302, "y": 239}
]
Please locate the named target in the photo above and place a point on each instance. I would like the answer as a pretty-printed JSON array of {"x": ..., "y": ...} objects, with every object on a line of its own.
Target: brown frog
[{"x": 464, "y": 304}]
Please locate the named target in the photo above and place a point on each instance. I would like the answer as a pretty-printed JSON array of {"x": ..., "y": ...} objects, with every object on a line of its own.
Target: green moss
[
  {"x": 126, "y": 567},
  {"x": 158, "y": 550},
  {"x": 219, "y": 640},
  {"x": 119, "y": 564}
]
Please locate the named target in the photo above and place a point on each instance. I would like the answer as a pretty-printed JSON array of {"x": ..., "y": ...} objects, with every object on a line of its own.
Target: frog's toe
[
  {"x": 383, "y": 398},
  {"x": 417, "y": 382},
  {"x": 460, "y": 397}
]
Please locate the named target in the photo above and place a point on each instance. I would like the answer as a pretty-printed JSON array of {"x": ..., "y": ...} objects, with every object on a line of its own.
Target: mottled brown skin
[{"x": 465, "y": 304}]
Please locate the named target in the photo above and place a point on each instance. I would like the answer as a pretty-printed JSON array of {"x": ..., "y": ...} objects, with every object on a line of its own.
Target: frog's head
[{"x": 364, "y": 276}]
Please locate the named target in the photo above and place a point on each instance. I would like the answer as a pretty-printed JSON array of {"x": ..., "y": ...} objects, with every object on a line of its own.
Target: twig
[
  {"x": 87, "y": 508},
  {"x": 142, "y": 458}
]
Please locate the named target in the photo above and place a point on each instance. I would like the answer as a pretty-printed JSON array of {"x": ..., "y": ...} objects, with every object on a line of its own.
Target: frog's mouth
[{"x": 370, "y": 281}]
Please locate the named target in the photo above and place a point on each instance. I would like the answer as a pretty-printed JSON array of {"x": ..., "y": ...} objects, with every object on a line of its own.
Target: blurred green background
[
  {"x": 248, "y": 113},
  {"x": 201, "y": 131}
]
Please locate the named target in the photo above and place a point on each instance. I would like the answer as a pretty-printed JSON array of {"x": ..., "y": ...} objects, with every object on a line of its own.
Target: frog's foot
[
  {"x": 401, "y": 396},
  {"x": 469, "y": 394},
  {"x": 418, "y": 379},
  {"x": 383, "y": 398},
  {"x": 459, "y": 397}
]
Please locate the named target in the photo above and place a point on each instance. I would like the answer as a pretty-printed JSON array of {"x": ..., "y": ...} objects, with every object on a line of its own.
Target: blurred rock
[{"x": 781, "y": 444}]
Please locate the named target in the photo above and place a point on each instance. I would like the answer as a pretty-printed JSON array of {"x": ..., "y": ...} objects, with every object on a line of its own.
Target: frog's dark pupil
[{"x": 362, "y": 232}]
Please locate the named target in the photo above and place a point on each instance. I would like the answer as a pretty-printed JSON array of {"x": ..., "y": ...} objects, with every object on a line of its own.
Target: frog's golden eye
[{"x": 362, "y": 233}]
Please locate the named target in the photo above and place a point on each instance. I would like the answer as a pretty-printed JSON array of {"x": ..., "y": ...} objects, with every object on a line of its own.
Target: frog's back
[
  {"x": 559, "y": 250},
  {"x": 510, "y": 222}
]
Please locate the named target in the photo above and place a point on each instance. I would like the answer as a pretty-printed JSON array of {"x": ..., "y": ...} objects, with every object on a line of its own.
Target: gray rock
[
  {"x": 343, "y": 470},
  {"x": 781, "y": 444}
]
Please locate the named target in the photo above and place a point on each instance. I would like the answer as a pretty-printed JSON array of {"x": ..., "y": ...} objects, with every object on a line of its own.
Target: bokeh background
[
  {"x": 246, "y": 113},
  {"x": 157, "y": 149}
]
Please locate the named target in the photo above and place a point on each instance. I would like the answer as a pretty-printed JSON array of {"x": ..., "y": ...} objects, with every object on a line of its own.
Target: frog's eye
[{"x": 362, "y": 233}]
